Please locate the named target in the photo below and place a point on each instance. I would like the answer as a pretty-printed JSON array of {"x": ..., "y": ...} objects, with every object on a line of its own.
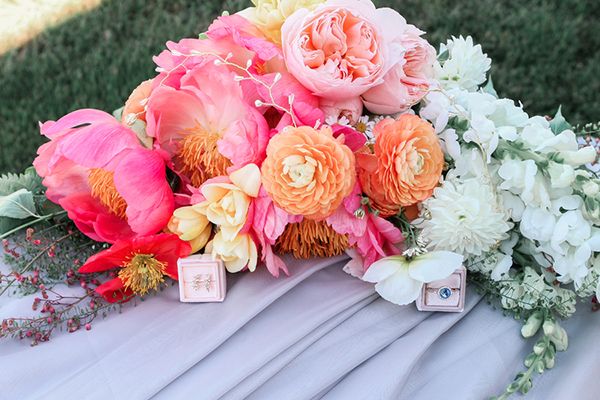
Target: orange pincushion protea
[
  {"x": 406, "y": 166},
  {"x": 308, "y": 172}
]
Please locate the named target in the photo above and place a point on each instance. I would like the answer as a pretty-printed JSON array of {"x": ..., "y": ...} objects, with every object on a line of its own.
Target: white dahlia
[
  {"x": 464, "y": 217},
  {"x": 466, "y": 66}
]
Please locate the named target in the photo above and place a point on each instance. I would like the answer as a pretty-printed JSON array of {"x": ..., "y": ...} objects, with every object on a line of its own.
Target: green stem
[{"x": 30, "y": 223}]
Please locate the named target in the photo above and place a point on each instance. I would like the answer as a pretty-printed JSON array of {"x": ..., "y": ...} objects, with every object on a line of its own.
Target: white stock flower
[
  {"x": 521, "y": 177},
  {"x": 537, "y": 224},
  {"x": 464, "y": 218},
  {"x": 561, "y": 175},
  {"x": 466, "y": 66},
  {"x": 399, "y": 280}
]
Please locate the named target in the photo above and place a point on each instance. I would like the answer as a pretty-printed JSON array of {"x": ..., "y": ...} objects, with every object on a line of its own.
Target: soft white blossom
[
  {"x": 466, "y": 66},
  {"x": 399, "y": 279},
  {"x": 464, "y": 217}
]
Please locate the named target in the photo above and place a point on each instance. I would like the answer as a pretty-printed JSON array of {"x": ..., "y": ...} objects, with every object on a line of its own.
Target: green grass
[{"x": 544, "y": 52}]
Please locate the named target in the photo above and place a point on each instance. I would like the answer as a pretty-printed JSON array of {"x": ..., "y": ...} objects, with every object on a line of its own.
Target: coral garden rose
[
  {"x": 308, "y": 172},
  {"x": 406, "y": 165},
  {"x": 96, "y": 169},
  {"x": 342, "y": 48},
  {"x": 142, "y": 264},
  {"x": 408, "y": 81},
  {"x": 135, "y": 106},
  {"x": 269, "y": 15}
]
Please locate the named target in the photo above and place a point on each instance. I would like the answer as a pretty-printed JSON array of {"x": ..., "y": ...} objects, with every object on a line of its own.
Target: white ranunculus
[
  {"x": 465, "y": 217},
  {"x": 399, "y": 280},
  {"x": 466, "y": 66}
]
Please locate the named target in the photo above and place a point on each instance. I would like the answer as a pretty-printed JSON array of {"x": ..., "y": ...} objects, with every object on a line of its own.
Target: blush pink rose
[
  {"x": 342, "y": 48},
  {"x": 408, "y": 81}
]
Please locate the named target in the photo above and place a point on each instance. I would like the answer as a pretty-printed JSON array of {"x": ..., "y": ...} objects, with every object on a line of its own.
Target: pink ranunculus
[
  {"x": 96, "y": 169},
  {"x": 351, "y": 109},
  {"x": 235, "y": 38},
  {"x": 205, "y": 125},
  {"x": 408, "y": 81},
  {"x": 342, "y": 48},
  {"x": 374, "y": 237}
]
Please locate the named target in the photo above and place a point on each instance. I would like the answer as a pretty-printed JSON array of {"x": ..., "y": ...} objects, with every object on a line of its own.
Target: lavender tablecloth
[{"x": 318, "y": 334}]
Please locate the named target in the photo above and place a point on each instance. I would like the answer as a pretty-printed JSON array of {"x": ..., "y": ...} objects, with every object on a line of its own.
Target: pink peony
[
  {"x": 205, "y": 125},
  {"x": 96, "y": 169},
  {"x": 408, "y": 81},
  {"x": 235, "y": 38},
  {"x": 342, "y": 48}
]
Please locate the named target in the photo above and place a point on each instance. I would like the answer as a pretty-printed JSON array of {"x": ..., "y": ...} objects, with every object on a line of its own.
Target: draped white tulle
[{"x": 317, "y": 334}]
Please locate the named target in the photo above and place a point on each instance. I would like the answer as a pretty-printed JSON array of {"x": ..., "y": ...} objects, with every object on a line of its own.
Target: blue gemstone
[{"x": 445, "y": 292}]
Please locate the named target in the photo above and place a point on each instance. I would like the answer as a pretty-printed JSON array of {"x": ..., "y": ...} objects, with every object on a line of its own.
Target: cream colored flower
[
  {"x": 269, "y": 15},
  {"x": 191, "y": 226},
  {"x": 227, "y": 203},
  {"x": 236, "y": 254}
]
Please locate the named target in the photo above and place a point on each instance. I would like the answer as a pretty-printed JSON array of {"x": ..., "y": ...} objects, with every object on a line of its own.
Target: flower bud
[{"x": 533, "y": 324}]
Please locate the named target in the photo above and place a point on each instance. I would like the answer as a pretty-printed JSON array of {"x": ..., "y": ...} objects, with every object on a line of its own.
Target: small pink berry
[{"x": 88, "y": 327}]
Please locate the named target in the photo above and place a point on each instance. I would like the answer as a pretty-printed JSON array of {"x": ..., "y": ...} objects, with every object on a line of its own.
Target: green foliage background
[{"x": 545, "y": 53}]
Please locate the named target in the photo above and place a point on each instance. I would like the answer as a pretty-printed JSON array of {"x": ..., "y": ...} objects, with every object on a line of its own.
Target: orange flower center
[
  {"x": 311, "y": 238},
  {"x": 199, "y": 156},
  {"x": 103, "y": 188}
]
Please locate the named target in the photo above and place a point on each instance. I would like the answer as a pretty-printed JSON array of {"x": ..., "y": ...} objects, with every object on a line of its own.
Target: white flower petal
[
  {"x": 434, "y": 265},
  {"x": 399, "y": 288},
  {"x": 384, "y": 268}
]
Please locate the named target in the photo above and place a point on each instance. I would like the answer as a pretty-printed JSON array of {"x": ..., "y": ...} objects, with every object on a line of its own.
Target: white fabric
[{"x": 316, "y": 334}]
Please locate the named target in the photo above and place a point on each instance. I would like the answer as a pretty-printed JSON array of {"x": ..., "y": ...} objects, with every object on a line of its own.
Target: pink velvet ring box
[
  {"x": 201, "y": 279},
  {"x": 446, "y": 294}
]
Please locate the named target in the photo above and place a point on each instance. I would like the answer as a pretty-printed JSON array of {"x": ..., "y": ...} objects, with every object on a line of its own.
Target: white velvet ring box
[
  {"x": 446, "y": 294},
  {"x": 201, "y": 279}
]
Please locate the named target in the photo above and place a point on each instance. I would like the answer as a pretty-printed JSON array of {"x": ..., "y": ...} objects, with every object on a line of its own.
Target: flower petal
[
  {"x": 434, "y": 265},
  {"x": 384, "y": 268},
  {"x": 399, "y": 288},
  {"x": 113, "y": 291},
  {"x": 247, "y": 178}
]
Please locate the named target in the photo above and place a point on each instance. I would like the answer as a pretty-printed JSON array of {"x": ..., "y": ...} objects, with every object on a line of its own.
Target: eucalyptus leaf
[
  {"x": 489, "y": 88},
  {"x": 559, "y": 123},
  {"x": 18, "y": 205}
]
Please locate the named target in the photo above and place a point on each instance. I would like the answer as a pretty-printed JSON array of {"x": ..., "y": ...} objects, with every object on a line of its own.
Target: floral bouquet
[{"x": 313, "y": 128}]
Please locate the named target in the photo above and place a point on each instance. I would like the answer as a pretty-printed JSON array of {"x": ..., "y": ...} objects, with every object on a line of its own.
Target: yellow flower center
[
  {"x": 199, "y": 156},
  {"x": 300, "y": 169},
  {"x": 103, "y": 188},
  {"x": 142, "y": 273}
]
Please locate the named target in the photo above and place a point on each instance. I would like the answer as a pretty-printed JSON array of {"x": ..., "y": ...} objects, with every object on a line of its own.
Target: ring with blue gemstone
[{"x": 444, "y": 292}]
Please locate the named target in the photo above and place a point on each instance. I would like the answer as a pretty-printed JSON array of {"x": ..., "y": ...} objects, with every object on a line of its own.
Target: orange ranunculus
[
  {"x": 406, "y": 166},
  {"x": 308, "y": 172},
  {"x": 135, "y": 106}
]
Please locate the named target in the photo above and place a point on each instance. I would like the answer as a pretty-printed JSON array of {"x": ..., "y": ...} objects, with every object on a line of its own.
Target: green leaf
[
  {"x": 29, "y": 180},
  {"x": 18, "y": 205},
  {"x": 559, "y": 123},
  {"x": 8, "y": 224},
  {"x": 443, "y": 56},
  {"x": 118, "y": 113},
  {"x": 489, "y": 88}
]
